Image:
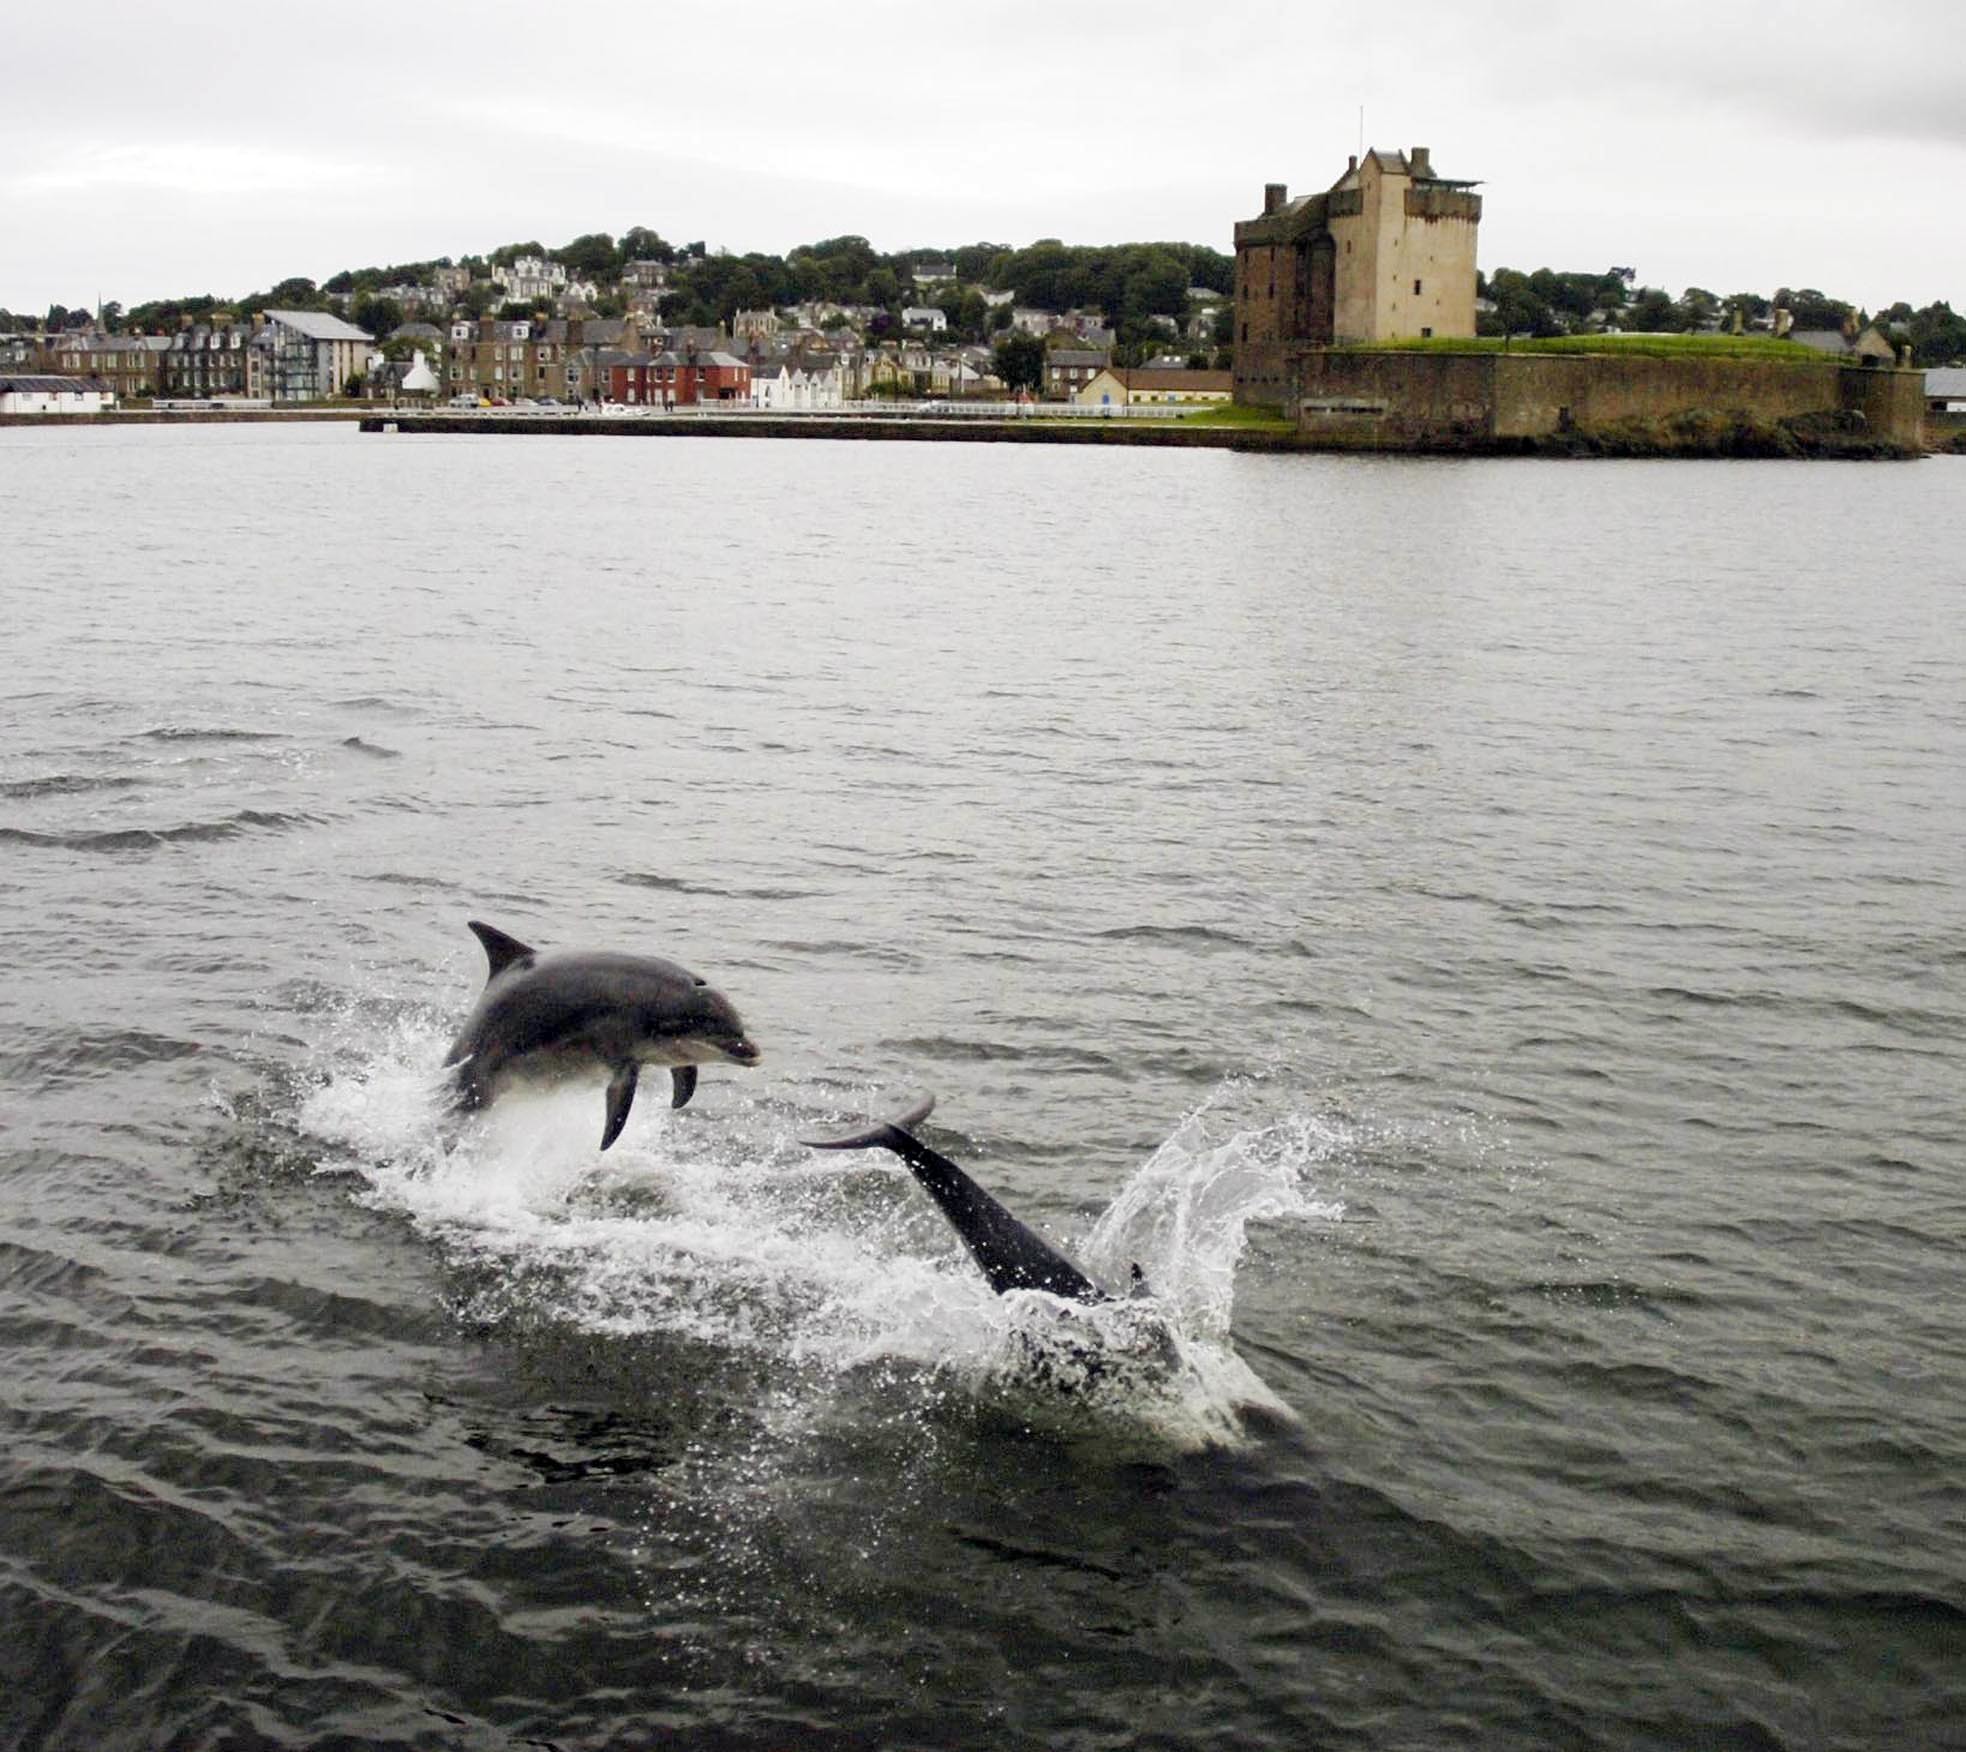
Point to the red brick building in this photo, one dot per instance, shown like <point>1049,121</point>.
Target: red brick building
<point>676,380</point>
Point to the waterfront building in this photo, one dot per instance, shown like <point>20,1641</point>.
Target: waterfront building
<point>125,365</point>
<point>36,394</point>
<point>675,380</point>
<point>1387,252</point>
<point>203,361</point>
<point>1067,370</point>
<point>309,355</point>
<point>799,384</point>
<point>1151,386</point>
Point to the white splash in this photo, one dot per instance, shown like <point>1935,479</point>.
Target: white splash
<point>715,1226</point>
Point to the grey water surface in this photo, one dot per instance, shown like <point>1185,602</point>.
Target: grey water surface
<point>1489,938</point>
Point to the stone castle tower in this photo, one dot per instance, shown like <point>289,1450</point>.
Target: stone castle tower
<point>1386,252</point>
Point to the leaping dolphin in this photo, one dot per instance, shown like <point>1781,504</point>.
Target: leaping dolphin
<point>558,1016</point>
<point>1012,1256</point>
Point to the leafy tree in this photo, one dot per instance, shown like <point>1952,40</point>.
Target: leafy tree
<point>508,253</point>
<point>1753,307</point>
<point>973,261</point>
<point>1651,312</point>
<point>515,310</point>
<point>1019,360</point>
<point>592,257</point>
<point>1812,310</point>
<point>164,314</point>
<point>1930,333</point>
<point>967,313</point>
<point>1154,284</point>
<point>1519,310</point>
<point>378,315</point>
<point>640,244</point>
<point>1697,310</point>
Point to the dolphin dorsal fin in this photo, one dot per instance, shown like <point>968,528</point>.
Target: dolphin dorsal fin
<point>500,950</point>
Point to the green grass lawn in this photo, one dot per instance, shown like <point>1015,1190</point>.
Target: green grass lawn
<point>1761,348</point>
<point>1251,419</point>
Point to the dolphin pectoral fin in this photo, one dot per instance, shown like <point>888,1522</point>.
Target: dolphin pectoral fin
<point>500,950</point>
<point>621,1097</point>
<point>683,1081</point>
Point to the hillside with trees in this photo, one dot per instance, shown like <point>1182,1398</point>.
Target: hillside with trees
<point>1142,289</point>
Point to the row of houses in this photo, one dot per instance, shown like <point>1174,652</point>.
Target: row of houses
<point>281,356</point>
<point>633,361</point>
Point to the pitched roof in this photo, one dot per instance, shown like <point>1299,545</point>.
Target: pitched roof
<point>318,325</point>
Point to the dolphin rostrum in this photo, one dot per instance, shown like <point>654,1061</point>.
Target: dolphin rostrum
<point>556,1016</point>
<point>1012,1256</point>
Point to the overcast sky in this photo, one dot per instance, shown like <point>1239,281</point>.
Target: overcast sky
<point>146,153</point>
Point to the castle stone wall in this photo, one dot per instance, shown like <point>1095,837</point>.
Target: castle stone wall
<point>1439,400</point>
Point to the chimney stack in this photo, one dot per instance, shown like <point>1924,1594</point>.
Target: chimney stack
<point>1274,196</point>
<point>1420,162</point>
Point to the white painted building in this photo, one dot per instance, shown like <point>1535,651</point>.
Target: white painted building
<point>531,279</point>
<point>53,395</point>
<point>926,317</point>
<point>808,388</point>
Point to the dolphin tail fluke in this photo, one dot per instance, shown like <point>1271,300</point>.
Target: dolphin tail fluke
<point>874,1137</point>
<point>682,1080</point>
<point>621,1097</point>
<point>1010,1255</point>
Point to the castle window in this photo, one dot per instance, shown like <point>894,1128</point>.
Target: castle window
<point>1416,288</point>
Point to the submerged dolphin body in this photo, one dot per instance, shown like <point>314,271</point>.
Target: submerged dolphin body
<point>551,1017</point>
<point>1011,1256</point>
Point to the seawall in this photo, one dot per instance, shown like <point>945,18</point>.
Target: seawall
<point>1605,404</point>
<point>859,427</point>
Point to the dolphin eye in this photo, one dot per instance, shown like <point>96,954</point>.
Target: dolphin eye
<point>701,983</point>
